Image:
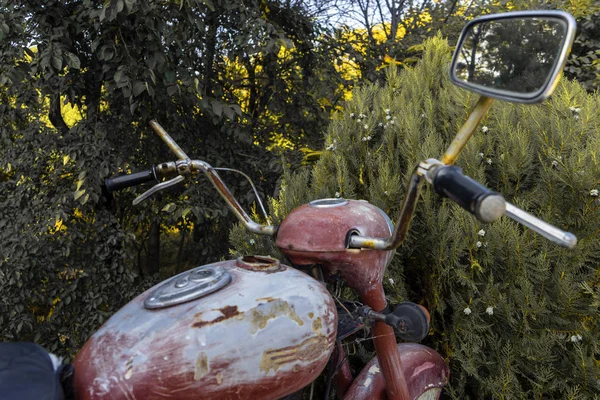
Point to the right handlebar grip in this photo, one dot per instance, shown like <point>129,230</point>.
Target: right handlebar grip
<point>125,181</point>
<point>480,201</point>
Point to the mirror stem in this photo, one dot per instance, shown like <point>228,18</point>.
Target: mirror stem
<point>466,131</point>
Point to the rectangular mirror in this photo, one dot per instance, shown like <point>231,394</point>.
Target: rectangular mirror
<point>516,56</point>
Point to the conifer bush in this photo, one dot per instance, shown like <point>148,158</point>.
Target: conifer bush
<point>514,315</point>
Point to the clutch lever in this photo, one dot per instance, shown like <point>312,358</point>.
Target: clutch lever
<point>157,188</point>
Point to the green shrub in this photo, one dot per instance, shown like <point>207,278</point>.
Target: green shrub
<point>514,315</point>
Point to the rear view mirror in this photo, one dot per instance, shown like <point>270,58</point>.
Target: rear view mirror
<point>515,56</point>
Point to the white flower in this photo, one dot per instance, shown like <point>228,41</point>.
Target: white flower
<point>387,110</point>
<point>481,155</point>
<point>391,281</point>
<point>467,311</point>
<point>554,163</point>
<point>386,193</point>
<point>366,126</point>
<point>364,139</point>
<point>576,110</point>
<point>337,194</point>
<point>490,310</point>
<point>559,158</point>
<point>594,192</point>
<point>576,338</point>
<point>392,122</point>
<point>351,115</point>
<point>388,117</point>
<point>484,129</point>
<point>481,233</point>
<point>252,242</point>
<point>576,117</point>
<point>489,161</point>
<point>478,244</point>
<point>369,138</point>
<point>380,124</point>
<point>331,147</point>
<point>362,116</point>
<point>422,115</point>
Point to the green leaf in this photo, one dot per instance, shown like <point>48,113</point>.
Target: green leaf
<point>171,90</point>
<point>118,75</point>
<point>78,194</point>
<point>73,61</point>
<point>84,199</point>
<point>217,108</point>
<point>169,208</point>
<point>82,175</point>
<point>138,88</point>
<point>129,5</point>
<point>170,76</point>
<point>209,5</point>
<point>57,62</point>
<point>229,112</point>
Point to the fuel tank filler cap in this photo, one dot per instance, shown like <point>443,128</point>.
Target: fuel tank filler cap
<point>328,203</point>
<point>187,286</point>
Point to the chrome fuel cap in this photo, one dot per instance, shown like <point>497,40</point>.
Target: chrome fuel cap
<point>187,286</point>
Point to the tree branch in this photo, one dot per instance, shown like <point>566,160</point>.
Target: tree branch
<point>55,116</point>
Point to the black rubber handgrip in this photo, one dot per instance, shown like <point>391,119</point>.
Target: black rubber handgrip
<point>125,181</point>
<point>484,203</point>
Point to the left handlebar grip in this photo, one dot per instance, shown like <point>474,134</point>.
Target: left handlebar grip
<point>125,181</point>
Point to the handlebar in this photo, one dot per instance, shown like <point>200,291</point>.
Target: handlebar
<point>485,204</point>
<point>129,180</point>
<point>184,168</point>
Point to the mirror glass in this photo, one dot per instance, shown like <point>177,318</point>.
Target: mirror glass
<point>511,54</point>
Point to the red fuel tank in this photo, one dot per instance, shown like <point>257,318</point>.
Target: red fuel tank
<point>242,329</point>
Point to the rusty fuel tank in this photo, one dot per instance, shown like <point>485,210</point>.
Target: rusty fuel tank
<point>266,332</point>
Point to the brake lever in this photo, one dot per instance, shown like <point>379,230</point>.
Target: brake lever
<point>157,188</point>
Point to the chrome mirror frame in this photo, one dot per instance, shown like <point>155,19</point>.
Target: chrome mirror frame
<point>548,87</point>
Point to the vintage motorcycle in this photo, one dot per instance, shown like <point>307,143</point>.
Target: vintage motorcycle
<point>253,328</point>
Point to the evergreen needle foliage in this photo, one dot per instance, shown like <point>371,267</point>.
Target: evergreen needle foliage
<point>513,314</point>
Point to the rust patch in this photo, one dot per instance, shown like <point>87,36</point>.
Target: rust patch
<point>201,366</point>
<point>317,325</point>
<point>259,263</point>
<point>261,314</point>
<point>267,299</point>
<point>309,350</point>
<point>311,315</point>
<point>228,312</point>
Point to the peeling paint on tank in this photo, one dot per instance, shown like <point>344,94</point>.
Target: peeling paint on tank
<point>317,325</point>
<point>202,367</point>
<point>226,313</point>
<point>374,369</point>
<point>129,367</point>
<point>261,314</point>
<point>309,350</point>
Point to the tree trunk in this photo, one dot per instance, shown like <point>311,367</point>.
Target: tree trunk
<point>153,259</point>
